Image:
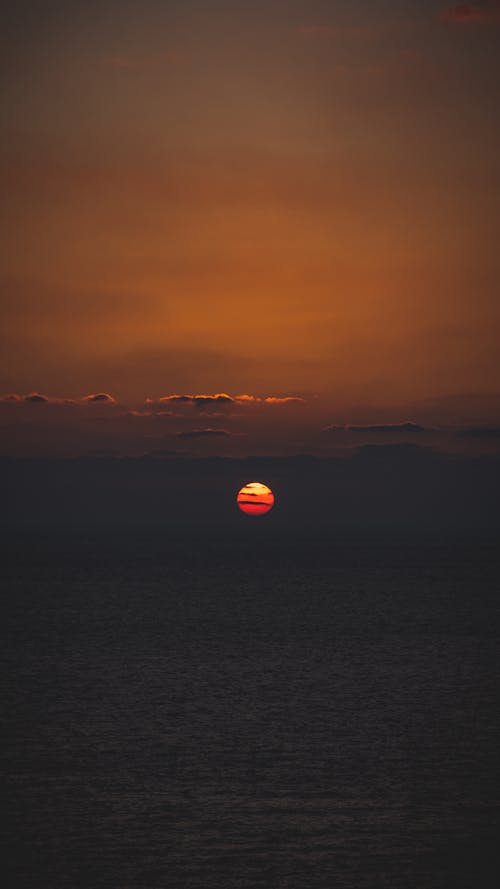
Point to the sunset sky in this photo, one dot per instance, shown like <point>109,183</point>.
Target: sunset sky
<point>278,200</point>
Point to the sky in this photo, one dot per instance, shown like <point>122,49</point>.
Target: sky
<point>295,202</point>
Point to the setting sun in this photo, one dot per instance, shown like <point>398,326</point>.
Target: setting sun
<point>255,498</point>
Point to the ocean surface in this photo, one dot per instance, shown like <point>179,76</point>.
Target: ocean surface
<point>250,713</point>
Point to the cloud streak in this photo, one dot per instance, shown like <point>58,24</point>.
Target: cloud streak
<point>218,400</point>
<point>35,398</point>
<point>11,398</point>
<point>38,398</point>
<point>222,399</point>
<point>205,433</point>
<point>99,398</point>
<point>288,399</point>
<point>379,428</point>
<point>197,400</point>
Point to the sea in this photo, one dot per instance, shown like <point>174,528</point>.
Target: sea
<point>249,712</point>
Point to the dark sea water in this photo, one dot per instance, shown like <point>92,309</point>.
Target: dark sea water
<point>253,714</point>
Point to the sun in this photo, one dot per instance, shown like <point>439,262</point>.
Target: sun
<point>255,498</point>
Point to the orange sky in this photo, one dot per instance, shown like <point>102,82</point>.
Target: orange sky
<point>272,198</point>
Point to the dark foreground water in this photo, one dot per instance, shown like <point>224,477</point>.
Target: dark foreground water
<point>250,715</point>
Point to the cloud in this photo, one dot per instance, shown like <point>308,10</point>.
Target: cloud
<point>98,398</point>
<point>485,13</point>
<point>152,407</point>
<point>490,432</point>
<point>383,428</point>
<point>205,433</point>
<point>198,400</point>
<point>205,400</point>
<point>288,399</point>
<point>221,399</point>
<point>36,398</point>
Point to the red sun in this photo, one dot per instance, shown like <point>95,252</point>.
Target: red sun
<point>255,498</point>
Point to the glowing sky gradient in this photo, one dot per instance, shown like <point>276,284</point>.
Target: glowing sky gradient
<point>286,199</point>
